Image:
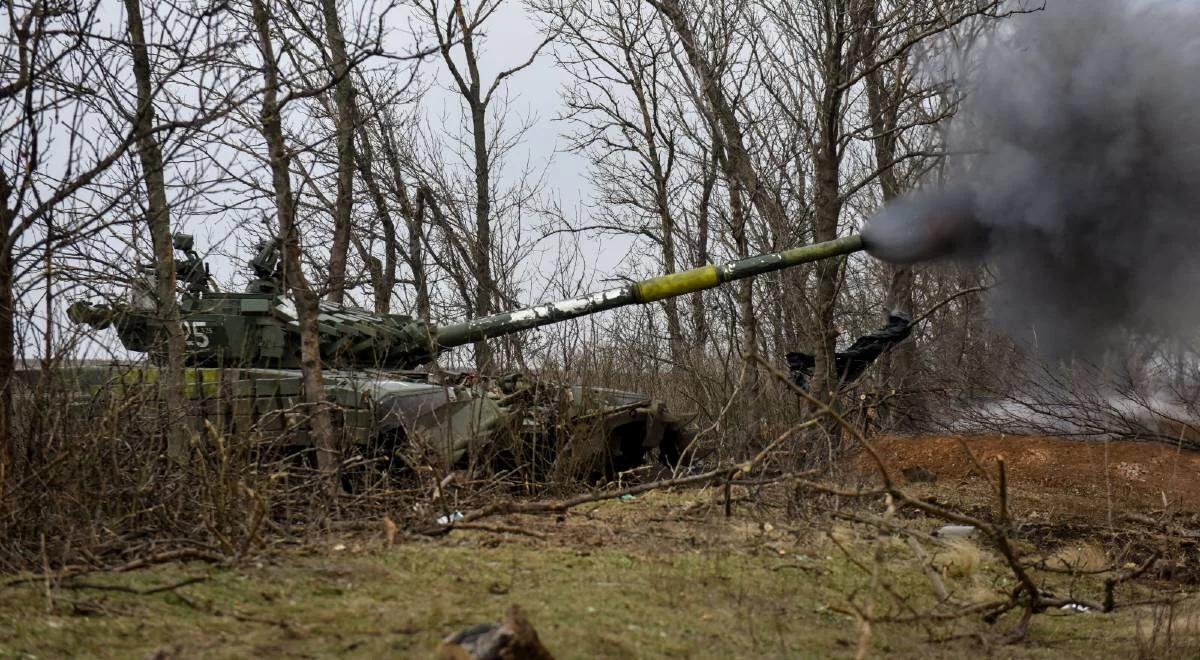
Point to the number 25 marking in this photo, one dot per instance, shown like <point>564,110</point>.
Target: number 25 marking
<point>194,334</point>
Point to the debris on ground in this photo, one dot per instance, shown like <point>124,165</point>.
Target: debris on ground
<point>512,639</point>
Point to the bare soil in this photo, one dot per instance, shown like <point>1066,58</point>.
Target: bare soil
<point>1051,476</point>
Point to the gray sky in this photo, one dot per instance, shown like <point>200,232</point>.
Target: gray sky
<point>534,94</point>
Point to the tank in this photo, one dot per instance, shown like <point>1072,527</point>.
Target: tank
<point>391,401</point>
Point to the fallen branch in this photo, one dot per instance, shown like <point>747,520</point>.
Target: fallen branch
<point>233,614</point>
<point>935,578</point>
<point>729,472</point>
<point>132,590</point>
<point>1110,585</point>
<point>1027,593</point>
<point>500,529</point>
<point>184,554</point>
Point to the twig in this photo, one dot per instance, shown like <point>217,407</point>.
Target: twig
<point>244,618</point>
<point>728,498</point>
<point>499,529</point>
<point>1003,495</point>
<point>1110,584</point>
<point>958,613</point>
<point>1019,631</point>
<point>132,590</point>
<point>559,506</point>
<point>693,446</point>
<point>864,625</point>
<point>935,579</point>
<point>929,312</point>
<point>888,526</point>
<point>184,554</point>
<point>978,465</point>
<point>876,581</point>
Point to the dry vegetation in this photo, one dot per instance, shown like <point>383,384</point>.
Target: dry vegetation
<point>125,554</point>
<point>664,575</point>
<point>800,526</point>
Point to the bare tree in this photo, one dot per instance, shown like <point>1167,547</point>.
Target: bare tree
<point>60,135</point>
<point>619,58</point>
<point>383,272</point>
<point>457,30</point>
<point>307,302</point>
<point>159,220</point>
<point>390,193</point>
<point>343,99</point>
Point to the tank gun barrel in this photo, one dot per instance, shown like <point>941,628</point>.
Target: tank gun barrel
<point>640,293</point>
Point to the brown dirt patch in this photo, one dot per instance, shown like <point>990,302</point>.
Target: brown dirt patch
<point>1049,476</point>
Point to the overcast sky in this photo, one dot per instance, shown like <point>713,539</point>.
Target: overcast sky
<point>511,35</point>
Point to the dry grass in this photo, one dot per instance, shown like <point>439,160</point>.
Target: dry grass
<point>1079,557</point>
<point>1170,630</point>
<point>958,559</point>
<point>665,575</point>
<point>658,565</point>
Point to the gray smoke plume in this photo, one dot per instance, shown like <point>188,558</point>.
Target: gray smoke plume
<point>1085,193</point>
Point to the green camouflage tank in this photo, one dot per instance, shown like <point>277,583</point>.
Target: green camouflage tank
<point>243,378</point>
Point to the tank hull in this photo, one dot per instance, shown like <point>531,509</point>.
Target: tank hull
<point>454,420</point>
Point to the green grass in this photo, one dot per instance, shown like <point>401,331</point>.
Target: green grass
<point>643,602</point>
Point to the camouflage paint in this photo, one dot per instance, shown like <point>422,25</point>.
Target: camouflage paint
<point>646,291</point>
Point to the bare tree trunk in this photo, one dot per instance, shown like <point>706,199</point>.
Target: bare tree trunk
<point>703,216</point>
<point>740,162</point>
<point>885,94</point>
<point>844,25</point>
<point>736,162</point>
<point>884,97</point>
<point>343,99</point>
<point>667,220</point>
<point>7,348</point>
<point>827,209</point>
<point>414,217</point>
<point>159,220</point>
<point>482,246</point>
<point>456,30</point>
<point>661,203</point>
<point>384,282</point>
<point>900,359</point>
<point>416,251</point>
<point>745,295</point>
<point>306,299</point>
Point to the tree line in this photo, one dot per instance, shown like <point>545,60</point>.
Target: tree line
<point>711,131</point>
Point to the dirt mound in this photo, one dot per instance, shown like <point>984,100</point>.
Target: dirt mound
<point>1051,475</point>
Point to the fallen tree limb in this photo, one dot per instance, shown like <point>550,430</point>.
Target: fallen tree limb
<point>183,554</point>
<point>1027,594</point>
<point>726,473</point>
<point>500,529</point>
<point>132,590</point>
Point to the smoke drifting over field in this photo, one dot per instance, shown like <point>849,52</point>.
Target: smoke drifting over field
<point>1085,193</point>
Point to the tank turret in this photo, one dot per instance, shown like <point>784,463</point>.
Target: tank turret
<point>259,327</point>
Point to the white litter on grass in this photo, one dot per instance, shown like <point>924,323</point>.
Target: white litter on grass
<point>956,532</point>
<point>454,517</point>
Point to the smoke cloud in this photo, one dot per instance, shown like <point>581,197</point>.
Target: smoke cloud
<point>1083,192</point>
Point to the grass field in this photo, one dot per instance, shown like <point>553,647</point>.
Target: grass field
<point>666,575</point>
